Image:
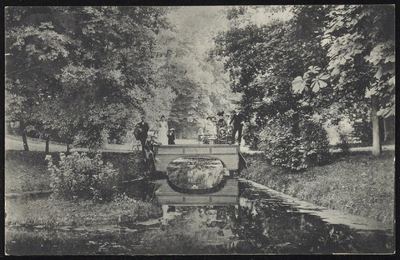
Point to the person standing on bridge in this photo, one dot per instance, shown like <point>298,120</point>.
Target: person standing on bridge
<point>221,121</point>
<point>238,121</point>
<point>171,136</point>
<point>163,131</point>
<point>141,130</point>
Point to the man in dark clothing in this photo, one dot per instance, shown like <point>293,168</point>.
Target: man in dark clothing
<point>142,129</point>
<point>237,120</point>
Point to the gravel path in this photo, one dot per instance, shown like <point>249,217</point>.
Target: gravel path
<point>36,144</point>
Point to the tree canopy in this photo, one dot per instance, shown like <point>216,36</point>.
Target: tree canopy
<point>303,66</point>
<point>85,74</point>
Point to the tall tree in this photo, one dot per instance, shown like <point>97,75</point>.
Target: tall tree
<point>36,51</point>
<point>360,42</point>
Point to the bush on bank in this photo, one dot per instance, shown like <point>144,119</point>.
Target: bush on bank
<point>26,171</point>
<point>78,176</point>
<point>291,148</point>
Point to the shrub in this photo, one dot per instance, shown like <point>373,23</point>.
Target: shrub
<point>295,149</point>
<point>344,145</point>
<point>93,141</point>
<point>281,147</point>
<point>363,130</point>
<point>251,137</point>
<point>78,176</point>
<point>314,142</point>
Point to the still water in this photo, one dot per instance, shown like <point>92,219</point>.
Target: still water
<point>266,223</point>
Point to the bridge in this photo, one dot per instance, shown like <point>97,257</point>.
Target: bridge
<point>228,154</point>
<point>230,157</point>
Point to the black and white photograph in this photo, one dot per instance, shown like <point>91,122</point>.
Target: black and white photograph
<point>199,130</point>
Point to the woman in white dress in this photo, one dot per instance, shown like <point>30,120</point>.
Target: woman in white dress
<point>163,131</point>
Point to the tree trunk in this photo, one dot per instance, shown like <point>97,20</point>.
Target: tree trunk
<point>47,145</point>
<point>9,129</point>
<point>376,142</point>
<point>24,139</point>
<point>385,130</point>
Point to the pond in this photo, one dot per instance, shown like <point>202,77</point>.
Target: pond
<point>265,224</point>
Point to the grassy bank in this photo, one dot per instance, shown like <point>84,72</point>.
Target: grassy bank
<point>27,171</point>
<point>52,213</point>
<point>358,184</point>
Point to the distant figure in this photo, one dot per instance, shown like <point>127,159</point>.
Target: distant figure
<point>163,131</point>
<point>171,136</point>
<point>221,128</point>
<point>237,120</point>
<point>200,134</point>
<point>210,127</point>
<point>221,121</point>
<point>214,121</point>
<point>140,132</point>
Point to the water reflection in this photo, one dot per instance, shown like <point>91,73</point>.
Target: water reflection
<point>270,226</point>
<point>264,225</point>
<point>196,173</point>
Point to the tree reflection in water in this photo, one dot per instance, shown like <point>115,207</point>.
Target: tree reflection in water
<point>264,225</point>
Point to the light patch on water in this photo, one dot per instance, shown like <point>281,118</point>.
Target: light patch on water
<point>148,222</point>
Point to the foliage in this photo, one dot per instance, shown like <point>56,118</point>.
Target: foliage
<point>129,165</point>
<point>295,150</point>
<point>344,144</point>
<point>359,40</point>
<point>361,55</point>
<point>281,147</point>
<point>363,131</point>
<point>79,70</point>
<point>345,54</point>
<point>314,142</point>
<point>143,211</point>
<point>78,176</point>
<point>198,84</point>
<point>261,65</point>
<point>27,171</point>
<point>76,72</point>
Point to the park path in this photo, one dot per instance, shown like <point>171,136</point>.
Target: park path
<point>35,144</point>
